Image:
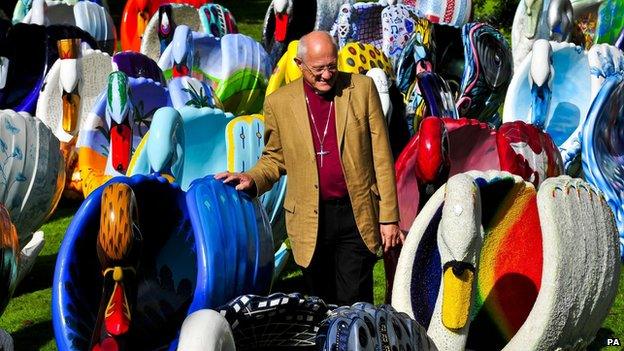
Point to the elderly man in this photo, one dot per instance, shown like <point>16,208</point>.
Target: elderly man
<point>327,132</point>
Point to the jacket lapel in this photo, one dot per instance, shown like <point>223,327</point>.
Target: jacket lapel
<point>300,113</point>
<point>343,94</point>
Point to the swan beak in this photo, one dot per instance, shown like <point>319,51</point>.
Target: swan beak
<point>71,106</point>
<point>121,145</point>
<point>142,20</point>
<point>457,294</point>
<point>69,51</point>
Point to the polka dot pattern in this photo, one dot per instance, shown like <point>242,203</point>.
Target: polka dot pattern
<point>360,58</point>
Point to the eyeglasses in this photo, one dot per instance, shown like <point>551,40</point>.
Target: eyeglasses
<point>318,71</point>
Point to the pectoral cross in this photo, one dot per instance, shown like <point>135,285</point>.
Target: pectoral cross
<point>322,153</point>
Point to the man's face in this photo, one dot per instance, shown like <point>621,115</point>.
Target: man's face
<point>319,67</point>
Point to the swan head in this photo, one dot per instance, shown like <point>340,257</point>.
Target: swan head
<point>166,25</point>
<point>283,10</point>
<point>118,248</point>
<point>460,238</point>
<point>182,51</point>
<point>119,116</point>
<point>164,145</point>
<point>541,74</point>
<point>143,17</point>
<point>432,158</point>
<point>69,52</point>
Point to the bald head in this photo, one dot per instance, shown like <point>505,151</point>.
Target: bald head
<point>317,57</point>
<point>315,43</point>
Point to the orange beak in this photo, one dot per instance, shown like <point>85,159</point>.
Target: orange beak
<point>142,20</point>
<point>71,106</point>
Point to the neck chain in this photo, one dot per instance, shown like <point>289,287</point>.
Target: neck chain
<point>322,152</point>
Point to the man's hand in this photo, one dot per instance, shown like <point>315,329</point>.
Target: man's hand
<point>242,181</point>
<point>391,235</point>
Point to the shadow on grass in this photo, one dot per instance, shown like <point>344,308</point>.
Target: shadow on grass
<point>290,280</point>
<point>600,341</point>
<point>65,208</point>
<point>33,337</point>
<point>39,278</point>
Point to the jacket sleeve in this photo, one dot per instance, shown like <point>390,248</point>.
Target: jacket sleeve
<point>270,166</point>
<point>382,159</point>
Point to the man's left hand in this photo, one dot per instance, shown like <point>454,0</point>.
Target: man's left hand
<point>391,235</point>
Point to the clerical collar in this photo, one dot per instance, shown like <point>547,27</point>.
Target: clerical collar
<point>328,96</point>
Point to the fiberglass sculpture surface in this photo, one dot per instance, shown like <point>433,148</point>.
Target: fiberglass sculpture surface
<point>136,16</point>
<point>602,153</point>
<point>72,88</point>
<point>478,275</point>
<point>236,65</point>
<point>86,15</point>
<point>31,179</point>
<point>212,19</point>
<point>554,89</point>
<point>444,147</point>
<point>288,20</point>
<point>475,78</point>
<point>27,53</point>
<point>184,251</point>
<point>115,126</point>
<point>193,142</point>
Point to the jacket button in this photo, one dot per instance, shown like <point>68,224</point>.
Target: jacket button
<point>315,212</point>
<point>315,186</point>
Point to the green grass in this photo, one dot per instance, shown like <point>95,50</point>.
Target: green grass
<point>28,315</point>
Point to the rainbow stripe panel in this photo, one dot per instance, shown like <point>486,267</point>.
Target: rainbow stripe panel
<point>510,266</point>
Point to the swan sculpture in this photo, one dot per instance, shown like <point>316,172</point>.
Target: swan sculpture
<point>29,52</point>
<point>520,269</point>
<point>136,16</point>
<point>187,144</point>
<point>602,149</point>
<point>236,65</point>
<point>554,89</point>
<point>115,126</point>
<point>86,15</point>
<point>200,249</point>
<point>288,20</point>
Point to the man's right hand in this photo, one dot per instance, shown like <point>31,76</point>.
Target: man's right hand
<point>242,181</point>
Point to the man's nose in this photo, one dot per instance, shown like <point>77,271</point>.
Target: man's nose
<point>327,74</point>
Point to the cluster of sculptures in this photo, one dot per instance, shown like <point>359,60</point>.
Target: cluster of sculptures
<point>507,247</point>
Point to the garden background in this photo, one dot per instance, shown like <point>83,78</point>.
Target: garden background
<point>28,315</point>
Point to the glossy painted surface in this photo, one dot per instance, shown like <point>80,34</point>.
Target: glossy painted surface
<point>237,66</point>
<point>31,50</point>
<point>288,20</point>
<point>94,142</point>
<point>182,267</point>
<point>31,171</point>
<point>275,320</point>
<point>137,14</point>
<point>575,77</point>
<point>603,153</point>
<point>488,71</point>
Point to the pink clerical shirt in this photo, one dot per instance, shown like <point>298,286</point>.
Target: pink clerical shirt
<point>332,183</point>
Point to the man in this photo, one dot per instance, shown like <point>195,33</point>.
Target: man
<point>327,132</point>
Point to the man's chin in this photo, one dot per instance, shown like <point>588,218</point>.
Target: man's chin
<point>323,88</point>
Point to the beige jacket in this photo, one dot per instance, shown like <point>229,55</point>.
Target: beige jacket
<point>364,153</point>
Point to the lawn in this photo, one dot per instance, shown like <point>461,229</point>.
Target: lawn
<point>28,315</point>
